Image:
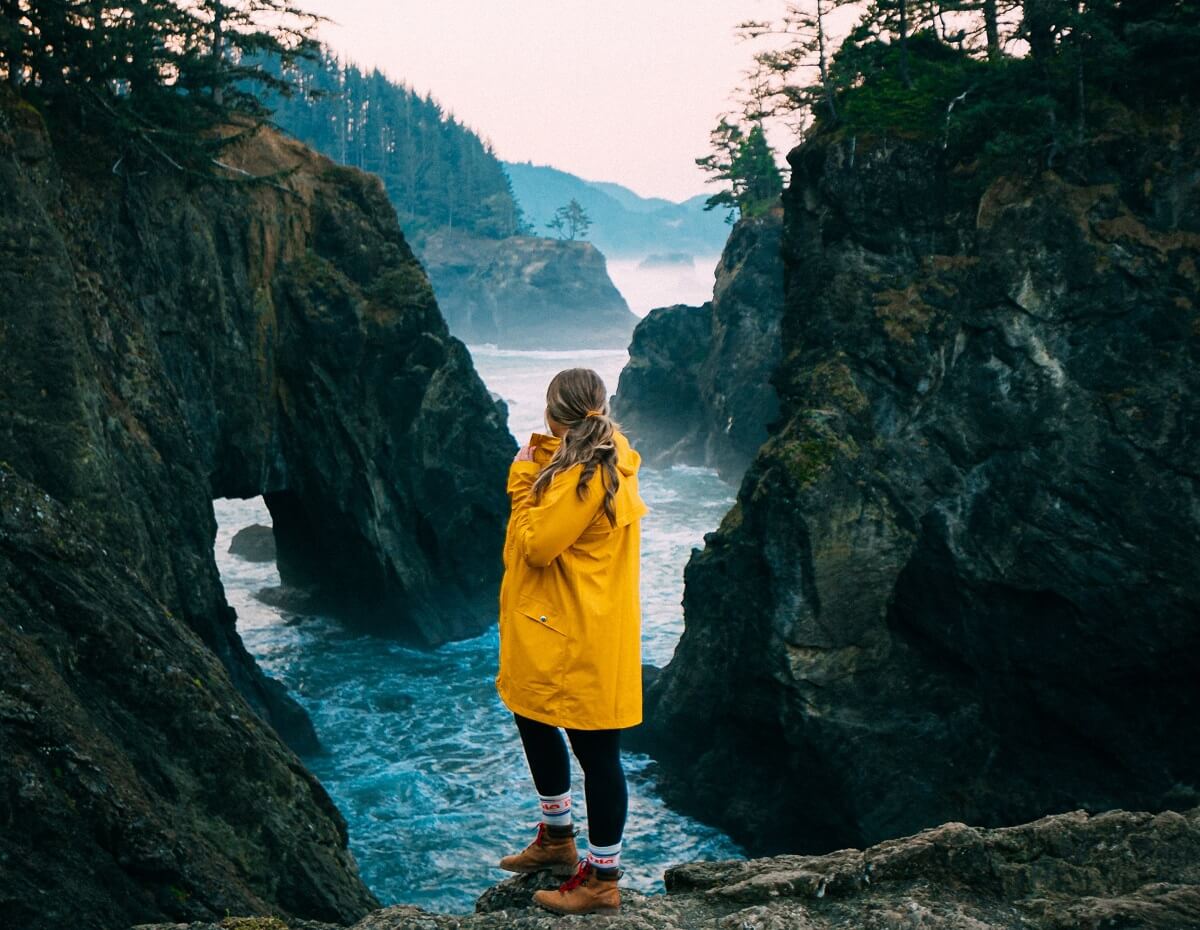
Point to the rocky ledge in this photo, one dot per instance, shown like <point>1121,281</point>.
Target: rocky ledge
<point>1066,872</point>
<point>526,292</point>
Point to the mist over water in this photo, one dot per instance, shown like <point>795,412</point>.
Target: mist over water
<point>421,757</point>
<point>647,288</point>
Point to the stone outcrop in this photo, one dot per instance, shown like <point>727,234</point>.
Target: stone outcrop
<point>696,389</point>
<point>1066,872</point>
<point>526,292</point>
<point>960,578</point>
<point>254,543</point>
<point>165,340</point>
<point>657,402</point>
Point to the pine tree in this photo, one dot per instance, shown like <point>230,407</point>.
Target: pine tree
<point>1012,79</point>
<point>155,74</point>
<point>754,165</point>
<point>570,221</point>
<point>805,26</point>
<point>438,173</point>
<point>742,158</point>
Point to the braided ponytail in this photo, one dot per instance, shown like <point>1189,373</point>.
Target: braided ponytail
<point>578,399</point>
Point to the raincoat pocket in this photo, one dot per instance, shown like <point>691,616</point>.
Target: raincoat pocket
<point>540,644</point>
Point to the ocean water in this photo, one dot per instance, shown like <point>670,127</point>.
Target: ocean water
<point>420,755</point>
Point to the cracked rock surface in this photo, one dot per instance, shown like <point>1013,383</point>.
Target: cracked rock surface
<point>1065,872</point>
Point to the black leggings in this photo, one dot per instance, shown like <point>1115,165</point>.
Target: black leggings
<point>599,754</point>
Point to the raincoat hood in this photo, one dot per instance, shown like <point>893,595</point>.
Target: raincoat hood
<point>628,459</point>
<point>629,504</point>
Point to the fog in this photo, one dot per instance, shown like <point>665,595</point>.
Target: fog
<point>647,288</point>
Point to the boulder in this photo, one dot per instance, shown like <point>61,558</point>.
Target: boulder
<point>254,543</point>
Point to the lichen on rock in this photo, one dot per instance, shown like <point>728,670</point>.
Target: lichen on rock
<point>961,584</point>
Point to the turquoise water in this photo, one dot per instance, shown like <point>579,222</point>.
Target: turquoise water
<point>421,757</point>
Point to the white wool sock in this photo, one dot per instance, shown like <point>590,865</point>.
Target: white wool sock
<point>604,857</point>
<point>556,809</point>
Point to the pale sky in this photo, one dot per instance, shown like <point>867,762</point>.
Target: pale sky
<point>611,90</point>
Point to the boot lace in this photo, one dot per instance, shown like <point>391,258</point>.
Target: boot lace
<point>581,875</point>
<point>540,839</point>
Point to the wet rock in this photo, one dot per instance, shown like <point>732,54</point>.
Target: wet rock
<point>696,389</point>
<point>290,598</point>
<point>254,543</point>
<point>959,581</point>
<point>166,340</point>
<point>526,292</point>
<point>247,923</point>
<point>657,401</point>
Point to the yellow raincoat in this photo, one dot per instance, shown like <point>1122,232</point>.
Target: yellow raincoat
<point>570,606</point>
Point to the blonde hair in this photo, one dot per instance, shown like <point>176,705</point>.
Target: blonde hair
<point>578,399</point>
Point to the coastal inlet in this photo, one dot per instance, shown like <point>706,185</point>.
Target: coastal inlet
<point>420,755</point>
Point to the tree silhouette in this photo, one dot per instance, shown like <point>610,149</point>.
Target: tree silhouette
<point>742,158</point>
<point>570,221</point>
<point>1009,80</point>
<point>154,74</point>
<point>439,174</point>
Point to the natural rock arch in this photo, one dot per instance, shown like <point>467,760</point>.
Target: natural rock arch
<point>166,341</point>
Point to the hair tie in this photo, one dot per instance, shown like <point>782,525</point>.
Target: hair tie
<point>594,413</point>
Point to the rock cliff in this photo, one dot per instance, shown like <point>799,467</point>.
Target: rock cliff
<point>696,389</point>
<point>526,292</point>
<point>165,340</point>
<point>959,581</point>
<point>657,401</point>
<point>1068,872</point>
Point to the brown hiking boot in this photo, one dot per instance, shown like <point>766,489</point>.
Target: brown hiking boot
<point>585,892</point>
<point>556,853</point>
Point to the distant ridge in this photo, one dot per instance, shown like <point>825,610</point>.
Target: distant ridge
<point>625,224</point>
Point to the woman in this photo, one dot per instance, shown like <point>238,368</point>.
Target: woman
<point>570,632</point>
